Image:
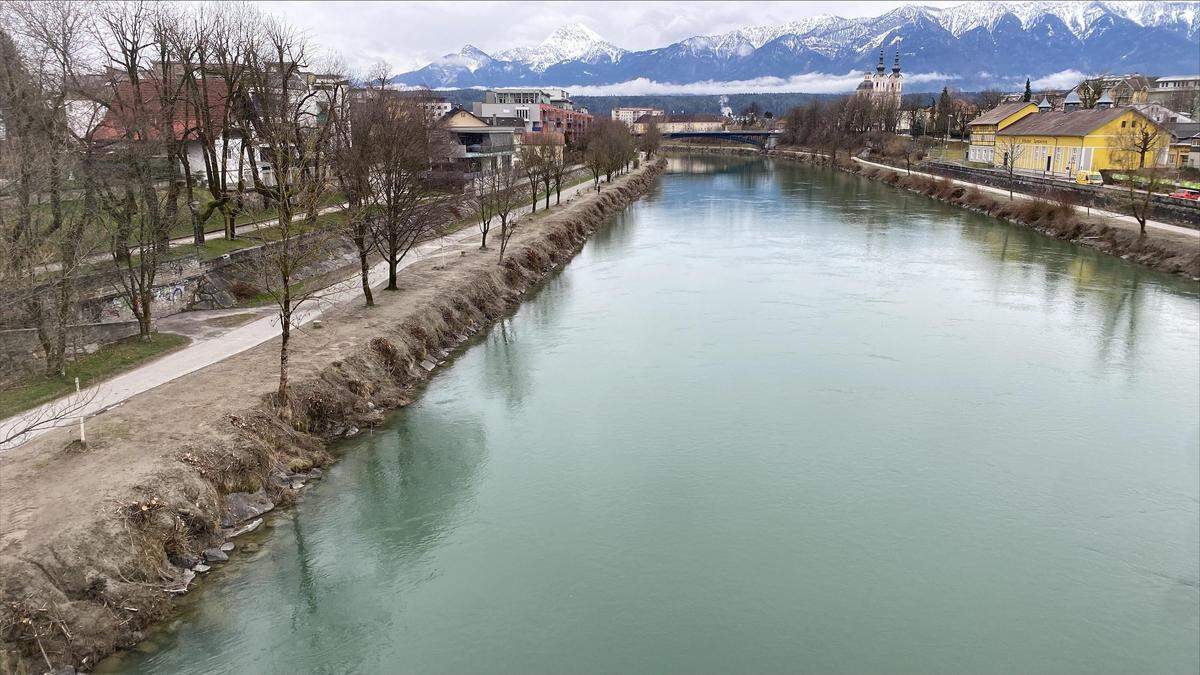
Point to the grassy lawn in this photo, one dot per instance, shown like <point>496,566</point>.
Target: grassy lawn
<point>231,320</point>
<point>213,226</point>
<point>109,360</point>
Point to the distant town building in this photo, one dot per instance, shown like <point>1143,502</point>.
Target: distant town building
<point>1185,137</point>
<point>1061,143</point>
<point>681,122</point>
<point>1180,93</point>
<point>882,87</point>
<point>1161,113</point>
<point>630,115</point>
<point>478,147</point>
<point>1126,89</point>
<point>540,109</point>
<point>983,129</point>
<point>434,106</point>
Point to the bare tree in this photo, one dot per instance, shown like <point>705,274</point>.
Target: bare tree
<point>406,206</point>
<point>355,132</point>
<point>651,140</point>
<point>1135,149</point>
<point>483,192</point>
<point>1091,89</point>
<point>1010,152</point>
<point>213,47</point>
<point>990,98</point>
<point>506,196</point>
<point>142,95</point>
<point>560,163</point>
<point>543,153</point>
<point>914,150</point>
<point>46,235</point>
<point>59,413</point>
<point>291,119</point>
<point>532,164</point>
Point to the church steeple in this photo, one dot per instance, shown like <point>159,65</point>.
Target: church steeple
<point>896,64</point>
<point>879,67</point>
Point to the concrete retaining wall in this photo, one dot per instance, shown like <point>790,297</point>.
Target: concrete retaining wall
<point>21,353</point>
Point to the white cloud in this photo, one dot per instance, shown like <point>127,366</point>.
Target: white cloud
<point>1063,79</point>
<point>805,83</point>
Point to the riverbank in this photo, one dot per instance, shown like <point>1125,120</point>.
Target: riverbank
<point>1163,251</point>
<point>94,543</point>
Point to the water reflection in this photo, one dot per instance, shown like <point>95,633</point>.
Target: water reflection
<point>768,396</point>
<point>507,368</point>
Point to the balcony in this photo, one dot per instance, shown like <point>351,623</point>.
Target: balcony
<point>488,149</point>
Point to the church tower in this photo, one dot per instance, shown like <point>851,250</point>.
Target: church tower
<point>896,80</point>
<point>881,87</point>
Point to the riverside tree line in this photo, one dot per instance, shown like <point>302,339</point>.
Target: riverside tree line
<point>126,126</point>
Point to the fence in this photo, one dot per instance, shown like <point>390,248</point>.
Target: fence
<point>1165,208</point>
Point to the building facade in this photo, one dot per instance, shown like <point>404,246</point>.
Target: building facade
<point>477,147</point>
<point>880,87</point>
<point>680,123</point>
<point>630,115</point>
<point>983,129</point>
<point>540,109</point>
<point>1061,143</point>
<point>1180,93</point>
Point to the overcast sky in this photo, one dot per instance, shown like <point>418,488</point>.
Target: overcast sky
<point>407,35</point>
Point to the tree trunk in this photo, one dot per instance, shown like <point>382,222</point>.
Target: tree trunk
<point>285,404</point>
<point>365,269</point>
<point>143,316</point>
<point>392,262</point>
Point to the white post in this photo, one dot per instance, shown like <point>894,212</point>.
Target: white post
<point>82,433</point>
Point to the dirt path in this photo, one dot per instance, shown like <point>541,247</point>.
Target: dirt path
<point>213,346</point>
<point>90,577</point>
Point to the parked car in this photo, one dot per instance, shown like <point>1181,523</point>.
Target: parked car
<point>1089,178</point>
<point>1182,193</point>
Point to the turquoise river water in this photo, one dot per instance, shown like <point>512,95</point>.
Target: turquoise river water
<point>772,418</point>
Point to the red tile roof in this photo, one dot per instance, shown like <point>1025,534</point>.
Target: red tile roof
<point>150,116</point>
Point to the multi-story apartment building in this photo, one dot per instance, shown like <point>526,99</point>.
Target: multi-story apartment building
<point>680,123</point>
<point>630,115</point>
<point>540,109</point>
<point>1180,93</point>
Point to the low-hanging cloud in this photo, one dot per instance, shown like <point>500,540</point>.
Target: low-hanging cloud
<point>805,83</point>
<point>1063,79</point>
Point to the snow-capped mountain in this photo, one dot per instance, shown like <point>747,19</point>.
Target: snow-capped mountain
<point>573,42</point>
<point>973,45</point>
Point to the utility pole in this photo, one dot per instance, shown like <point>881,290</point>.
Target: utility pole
<point>82,433</point>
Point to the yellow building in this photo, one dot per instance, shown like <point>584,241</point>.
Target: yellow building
<point>984,128</point>
<point>1062,143</point>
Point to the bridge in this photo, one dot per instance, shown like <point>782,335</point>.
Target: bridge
<point>756,137</point>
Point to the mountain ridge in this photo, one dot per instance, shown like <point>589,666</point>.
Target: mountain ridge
<point>975,44</point>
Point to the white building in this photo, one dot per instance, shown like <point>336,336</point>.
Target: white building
<point>628,116</point>
<point>883,87</point>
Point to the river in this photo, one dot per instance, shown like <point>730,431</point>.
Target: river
<point>772,418</point>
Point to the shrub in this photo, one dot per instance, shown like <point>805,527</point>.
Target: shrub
<point>244,291</point>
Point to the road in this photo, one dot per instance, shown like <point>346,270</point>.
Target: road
<point>1120,217</point>
<point>215,346</point>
